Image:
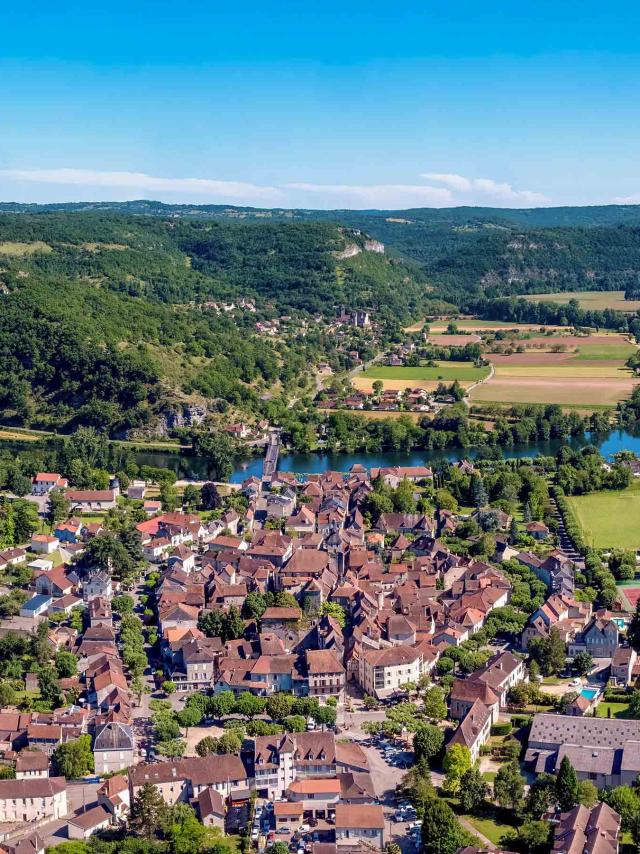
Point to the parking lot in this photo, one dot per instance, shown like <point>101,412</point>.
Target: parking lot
<point>264,833</point>
<point>388,763</point>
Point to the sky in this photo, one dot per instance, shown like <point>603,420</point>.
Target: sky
<point>321,104</point>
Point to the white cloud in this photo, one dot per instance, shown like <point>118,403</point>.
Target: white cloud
<point>105,185</point>
<point>627,200</point>
<point>140,181</point>
<point>378,195</point>
<point>485,187</point>
<point>456,182</point>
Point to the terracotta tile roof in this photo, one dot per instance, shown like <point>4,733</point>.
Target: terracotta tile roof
<point>362,816</point>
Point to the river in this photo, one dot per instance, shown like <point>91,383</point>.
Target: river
<point>197,468</point>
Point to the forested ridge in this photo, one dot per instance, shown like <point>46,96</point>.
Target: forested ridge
<point>107,313</point>
<point>106,318</point>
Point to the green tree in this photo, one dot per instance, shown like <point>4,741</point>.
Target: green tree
<point>325,716</point>
<point>191,496</point>
<point>66,664</point>
<point>549,652</point>
<point>434,705</point>
<point>473,790</point>
<point>220,450</point>
<point>147,811</point>
<point>587,793</point>
<point>441,832</point>
<point>541,796</point>
<point>49,688</point>
<point>254,606</point>
<point>222,704</point>
<point>229,742</point>
<point>582,663</point>
<point>625,801</point>
<point>211,623</point>
<point>278,706</point>
<point>567,791</point>
<point>417,786</point>
<point>333,609</point>
<point>74,758</point>
<point>279,848</point>
<point>172,748</point>
<point>508,786</point>
<point>207,745</point>
<point>122,604</point>
<point>169,687</point>
<point>189,716</point>
<point>403,500</point>
<point>532,837</point>
<point>284,599</point>
<point>249,705</point>
<point>633,632</point>
<point>427,742</point>
<point>59,507</point>
<point>232,625</point>
<point>457,761</point>
<point>7,695</point>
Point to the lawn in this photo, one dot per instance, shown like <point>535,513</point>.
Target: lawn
<point>445,371</point>
<point>612,710</point>
<point>490,827</point>
<point>595,300</point>
<point>609,518</point>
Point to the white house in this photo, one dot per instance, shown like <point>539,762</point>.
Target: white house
<point>44,482</point>
<point>33,799</point>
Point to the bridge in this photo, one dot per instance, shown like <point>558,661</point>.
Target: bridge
<point>270,465</point>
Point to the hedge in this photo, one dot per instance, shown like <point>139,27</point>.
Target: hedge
<point>501,729</point>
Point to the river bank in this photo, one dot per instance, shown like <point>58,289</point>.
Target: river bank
<point>189,466</point>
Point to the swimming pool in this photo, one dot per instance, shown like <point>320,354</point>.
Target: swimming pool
<point>590,693</point>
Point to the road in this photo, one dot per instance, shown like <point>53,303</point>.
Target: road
<point>492,371</point>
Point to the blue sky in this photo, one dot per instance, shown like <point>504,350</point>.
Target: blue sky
<point>321,104</point>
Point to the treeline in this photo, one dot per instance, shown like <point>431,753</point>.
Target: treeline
<point>553,313</point>
<point>350,432</point>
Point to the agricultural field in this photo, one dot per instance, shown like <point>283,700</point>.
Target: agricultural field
<point>443,371</point>
<point>565,391</point>
<point>453,340</point>
<point>596,300</point>
<point>609,518</point>
<point>474,324</point>
<point>399,378</point>
<point>590,371</point>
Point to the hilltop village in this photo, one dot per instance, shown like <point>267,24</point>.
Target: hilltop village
<point>337,662</point>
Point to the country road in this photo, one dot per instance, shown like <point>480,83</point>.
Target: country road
<point>492,371</point>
